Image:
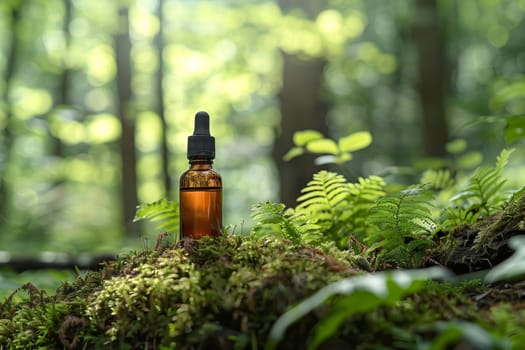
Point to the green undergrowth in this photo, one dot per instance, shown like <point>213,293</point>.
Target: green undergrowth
<point>442,316</point>
<point>341,270</point>
<point>484,243</point>
<point>228,292</point>
<point>201,294</point>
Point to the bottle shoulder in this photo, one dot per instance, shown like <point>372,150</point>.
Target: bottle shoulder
<point>201,172</point>
<point>200,178</point>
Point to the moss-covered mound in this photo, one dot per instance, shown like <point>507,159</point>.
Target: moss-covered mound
<point>226,293</point>
<point>483,244</point>
<point>208,294</point>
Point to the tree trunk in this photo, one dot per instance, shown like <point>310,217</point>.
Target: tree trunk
<point>431,89</point>
<point>7,136</point>
<point>62,97</point>
<point>127,140</point>
<point>166,178</point>
<point>301,108</point>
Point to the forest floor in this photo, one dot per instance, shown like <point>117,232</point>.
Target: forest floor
<point>228,293</point>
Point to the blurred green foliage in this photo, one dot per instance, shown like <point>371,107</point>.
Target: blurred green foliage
<point>350,296</point>
<point>46,280</point>
<point>332,152</point>
<point>230,65</point>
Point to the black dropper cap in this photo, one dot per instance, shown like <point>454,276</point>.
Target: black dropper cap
<point>201,143</point>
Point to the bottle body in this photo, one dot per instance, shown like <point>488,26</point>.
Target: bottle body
<point>200,200</point>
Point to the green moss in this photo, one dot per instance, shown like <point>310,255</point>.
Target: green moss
<point>226,293</point>
<point>483,244</point>
<point>211,292</point>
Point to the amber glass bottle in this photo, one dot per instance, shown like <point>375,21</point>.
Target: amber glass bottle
<point>200,197</point>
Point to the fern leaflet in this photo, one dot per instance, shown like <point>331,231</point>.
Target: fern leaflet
<point>437,179</point>
<point>323,201</point>
<point>457,216</point>
<point>275,219</point>
<point>338,207</point>
<point>165,211</point>
<point>402,223</point>
<point>363,195</point>
<point>323,195</point>
<point>482,192</point>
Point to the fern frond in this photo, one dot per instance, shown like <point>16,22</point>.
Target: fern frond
<point>308,232</point>
<point>163,210</point>
<point>503,158</point>
<point>367,189</point>
<point>437,179</point>
<point>275,219</point>
<point>323,193</point>
<point>406,212</point>
<point>407,255</point>
<point>268,212</point>
<point>517,194</point>
<point>399,218</point>
<point>457,216</point>
<point>323,200</point>
<point>363,195</point>
<point>339,208</point>
<point>483,188</point>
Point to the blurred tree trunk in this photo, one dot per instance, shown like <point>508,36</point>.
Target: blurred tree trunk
<point>62,97</point>
<point>7,136</point>
<point>430,48</point>
<point>159,40</point>
<point>127,140</point>
<point>301,108</point>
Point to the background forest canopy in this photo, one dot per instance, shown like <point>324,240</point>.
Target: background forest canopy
<point>98,98</point>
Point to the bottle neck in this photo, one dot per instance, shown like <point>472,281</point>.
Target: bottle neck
<point>201,163</point>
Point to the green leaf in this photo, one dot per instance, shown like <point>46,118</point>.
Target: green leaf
<point>355,141</point>
<point>403,214</point>
<point>274,219</point>
<point>470,334</point>
<point>482,192</point>
<point>514,125</point>
<point>470,160</point>
<point>301,138</point>
<point>514,129</point>
<point>503,157</point>
<point>165,211</point>
<point>361,293</point>
<point>514,267</point>
<point>326,146</point>
<point>293,152</point>
<point>339,312</point>
<point>456,146</point>
<point>343,157</point>
<point>437,179</point>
